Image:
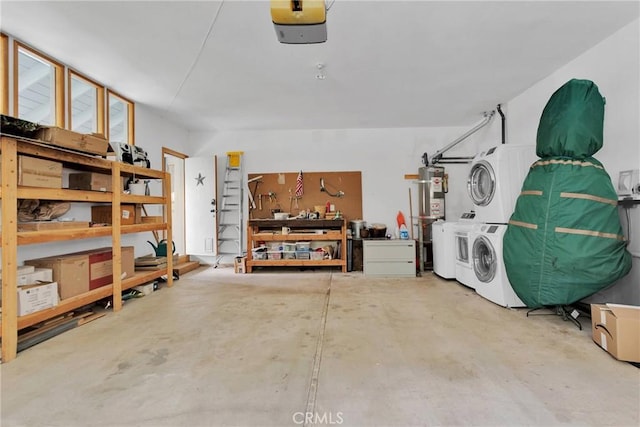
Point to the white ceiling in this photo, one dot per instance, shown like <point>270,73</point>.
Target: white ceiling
<point>212,65</point>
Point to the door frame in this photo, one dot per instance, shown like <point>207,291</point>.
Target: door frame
<point>179,155</point>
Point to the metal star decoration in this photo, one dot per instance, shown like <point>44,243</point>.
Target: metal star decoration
<point>200,178</point>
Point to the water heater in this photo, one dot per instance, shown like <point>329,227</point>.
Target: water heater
<point>431,189</point>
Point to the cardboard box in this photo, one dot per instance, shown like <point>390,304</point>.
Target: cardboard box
<point>240,265</point>
<point>37,297</point>
<point>38,275</point>
<point>131,214</point>
<point>100,268</point>
<point>91,181</point>
<point>128,262</point>
<point>80,272</point>
<point>71,272</point>
<point>32,275</point>
<point>34,172</point>
<point>92,144</point>
<point>616,328</point>
<point>24,269</point>
<point>153,219</point>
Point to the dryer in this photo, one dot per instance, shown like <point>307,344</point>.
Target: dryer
<point>462,244</point>
<point>488,265</point>
<point>495,180</point>
<point>444,249</point>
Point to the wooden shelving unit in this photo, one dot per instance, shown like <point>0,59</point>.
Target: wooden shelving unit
<point>269,230</point>
<point>11,239</point>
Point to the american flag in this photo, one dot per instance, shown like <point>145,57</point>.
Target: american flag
<point>299,187</point>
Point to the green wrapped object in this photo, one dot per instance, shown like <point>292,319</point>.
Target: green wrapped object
<point>564,241</point>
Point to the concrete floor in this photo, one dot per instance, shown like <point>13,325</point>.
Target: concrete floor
<point>263,349</point>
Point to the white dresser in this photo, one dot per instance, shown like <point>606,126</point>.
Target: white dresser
<point>389,258</point>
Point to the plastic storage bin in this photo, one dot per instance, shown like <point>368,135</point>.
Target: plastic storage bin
<point>303,246</point>
<point>303,255</point>
<point>259,255</point>
<point>274,255</point>
<point>276,246</point>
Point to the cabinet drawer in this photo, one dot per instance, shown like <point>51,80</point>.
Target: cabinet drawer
<point>390,268</point>
<point>386,250</point>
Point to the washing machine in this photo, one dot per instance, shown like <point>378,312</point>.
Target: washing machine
<point>462,246</point>
<point>488,265</point>
<point>444,249</point>
<point>495,180</point>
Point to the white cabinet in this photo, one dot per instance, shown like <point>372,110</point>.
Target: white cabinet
<point>389,258</point>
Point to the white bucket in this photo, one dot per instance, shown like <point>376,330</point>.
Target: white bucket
<point>137,189</point>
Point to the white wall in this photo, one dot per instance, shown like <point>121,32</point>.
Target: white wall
<point>383,156</point>
<point>614,65</point>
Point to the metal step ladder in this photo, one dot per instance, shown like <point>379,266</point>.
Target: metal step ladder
<point>230,217</point>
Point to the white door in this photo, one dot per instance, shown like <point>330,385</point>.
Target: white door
<point>200,206</point>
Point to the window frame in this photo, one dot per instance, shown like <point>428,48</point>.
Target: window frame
<point>59,94</point>
<point>100,101</point>
<point>4,74</point>
<point>130,116</point>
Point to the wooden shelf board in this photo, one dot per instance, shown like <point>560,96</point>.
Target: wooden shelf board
<point>140,172</point>
<point>298,223</point>
<point>136,228</point>
<point>142,277</point>
<point>147,200</point>
<point>64,194</point>
<point>185,267</point>
<point>297,262</point>
<point>296,237</point>
<point>64,306</point>
<point>32,237</point>
<point>38,149</point>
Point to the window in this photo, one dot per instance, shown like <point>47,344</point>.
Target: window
<point>120,117</point>
<point>4,74</point>
<point>39,85</point>
<point>86,104</point>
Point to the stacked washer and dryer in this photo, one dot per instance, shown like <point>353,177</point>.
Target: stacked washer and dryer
<point>495,181</point>
<point>474,244</point>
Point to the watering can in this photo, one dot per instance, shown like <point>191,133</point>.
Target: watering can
<point>161,249</point>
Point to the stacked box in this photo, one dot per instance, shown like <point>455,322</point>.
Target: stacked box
<point>303,255</point>
<point>130,214</point>
<point>38,297</point>
<point>92,144</point>
<point>93,182</point>
<point>34,172</point>
<point>29,275</point>
<point>240,264</point>
<point>80,272</point>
